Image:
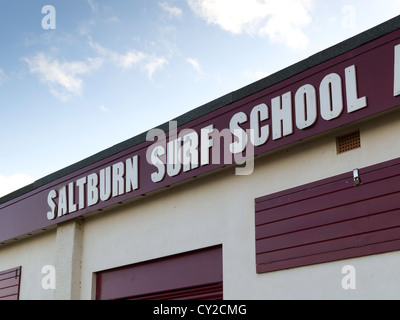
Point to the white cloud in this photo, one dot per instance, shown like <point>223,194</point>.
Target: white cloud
<point>349,17</point>
<point>2,76</point>
<point>149,63</point>
<point>13,183</point>
<point>281,20</point>
<point>86,27</point>
<point>63,78</point>
<point>93,5</point>
<point>195,64</point>
<point>104,109</point>
<point>152,64</point>
<point>256,75</point>
<point>128,60</point>
<point>172,11</point>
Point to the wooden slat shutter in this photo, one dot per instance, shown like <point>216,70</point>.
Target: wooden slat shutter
<point>330,220</point>
<point>209,292</point>
<point>10,284</point>
<point>191,275</point>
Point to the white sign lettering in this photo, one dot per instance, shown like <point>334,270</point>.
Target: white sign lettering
<point>188,150</point>
<point>396,71</point>
<point>94,188</point>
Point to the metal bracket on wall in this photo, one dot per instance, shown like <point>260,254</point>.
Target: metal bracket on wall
<point>356,177</point>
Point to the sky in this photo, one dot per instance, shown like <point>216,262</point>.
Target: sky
<point>79,76</point>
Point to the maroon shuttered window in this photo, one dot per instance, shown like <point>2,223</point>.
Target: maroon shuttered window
<point>189,276</point>
<point>330,220</point>
<point>9,284</point>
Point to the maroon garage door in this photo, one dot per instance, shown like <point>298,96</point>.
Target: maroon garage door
<point>330,220</point>
<point>190,276</point>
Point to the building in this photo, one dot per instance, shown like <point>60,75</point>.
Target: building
<point>284,189</point>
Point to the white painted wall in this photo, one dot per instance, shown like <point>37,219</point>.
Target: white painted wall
<point>32,254</point>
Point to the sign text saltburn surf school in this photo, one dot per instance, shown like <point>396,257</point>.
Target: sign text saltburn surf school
<point>288,113</point>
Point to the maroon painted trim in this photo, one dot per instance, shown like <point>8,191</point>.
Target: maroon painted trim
<point>175,273</point>
<point>374,62</point>
<point>330,220</point>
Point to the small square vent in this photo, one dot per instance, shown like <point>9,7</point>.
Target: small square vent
<point>348,142</point>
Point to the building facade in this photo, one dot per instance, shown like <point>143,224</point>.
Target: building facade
<point>284,189</point>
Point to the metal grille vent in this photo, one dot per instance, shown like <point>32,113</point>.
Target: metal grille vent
<point>348,142</point>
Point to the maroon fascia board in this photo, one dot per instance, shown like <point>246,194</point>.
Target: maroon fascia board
<point>372,52</point>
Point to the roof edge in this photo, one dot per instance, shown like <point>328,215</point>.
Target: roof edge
<point>284,74</point>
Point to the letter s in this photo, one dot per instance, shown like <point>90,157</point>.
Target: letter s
<point>51,215</point>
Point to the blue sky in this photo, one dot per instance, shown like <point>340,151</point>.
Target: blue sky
<point>111,70</point>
